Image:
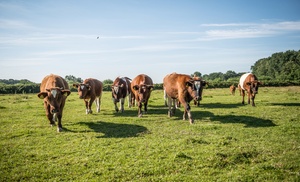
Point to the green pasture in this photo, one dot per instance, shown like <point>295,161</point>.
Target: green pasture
<point>228,142</point>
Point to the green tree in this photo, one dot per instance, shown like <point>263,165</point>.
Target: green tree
<point>197,74</point>
<point>107,81</point>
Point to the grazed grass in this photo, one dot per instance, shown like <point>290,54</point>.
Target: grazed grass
<point>228,142</point>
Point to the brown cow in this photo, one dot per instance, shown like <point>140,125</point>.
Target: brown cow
<point>232,89</point>
<point>183,88</point>
<point>90,90</point>
<point>199,84</point>
<point>54,90</point>
<point>120,89</point>
<point>141,87</point>
<point>250,83</point>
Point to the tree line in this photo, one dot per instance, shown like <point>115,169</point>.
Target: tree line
<point>280,69</point>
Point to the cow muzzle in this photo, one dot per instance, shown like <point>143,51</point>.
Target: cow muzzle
<point>197,98</point>
<point>53,111</point>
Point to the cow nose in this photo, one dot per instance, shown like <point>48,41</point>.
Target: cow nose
<point>197,98</point>
<point>54,110</point>
<point>80,97</point>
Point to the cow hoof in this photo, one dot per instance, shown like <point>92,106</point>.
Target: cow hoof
<point>59,129</point>
<point>98,110</point>
<point>191,121</point>
<point>140,115</point>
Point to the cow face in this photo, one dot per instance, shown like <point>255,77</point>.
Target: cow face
<point>143,91</point>
<point>199,85</point>
<point>253,87</point>
<point>191,88</point>
<point>54,98</point>
<point>82,89</point>
<point>117,92</point>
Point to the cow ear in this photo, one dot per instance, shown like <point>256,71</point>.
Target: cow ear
<point>42,95</point>
<point>189,83</point>
<point>75,85</point>
<point>260,83</point>
<point>88,86</point>
<point>150,87</point>
<point>135,87</point>
<point>66,92</point>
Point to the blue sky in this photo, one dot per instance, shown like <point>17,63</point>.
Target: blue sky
<point>155,37</point>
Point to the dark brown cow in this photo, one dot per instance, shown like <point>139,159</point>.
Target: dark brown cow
<point>141,87</point>
<point>183,88</point>
<point>199,84</point>
<point>54,90</point>
<point>90,90</point>
<point>120,89</point>
<point>232,89</point>
<point>249,82</point>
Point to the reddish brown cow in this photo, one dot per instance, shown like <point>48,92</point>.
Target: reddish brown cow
<point>120,89</point>
<point>54,90</point>
<point>199,84</point>
<point>90,90</point>
<point>232,89</point>
<point>183,88</point>
<point>250,83</point>
<point>141,87</point>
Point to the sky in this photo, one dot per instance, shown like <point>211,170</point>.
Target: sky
<point>104,39</point>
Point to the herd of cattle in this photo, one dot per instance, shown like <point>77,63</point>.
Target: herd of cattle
<point>178,89</point>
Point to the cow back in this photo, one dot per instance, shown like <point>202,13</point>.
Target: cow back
<point>142,79</point>
<point>246,78</point>
<point>175,84</point>
<point>121,87</point>
<point>53,81</point>
<point>96,86</point>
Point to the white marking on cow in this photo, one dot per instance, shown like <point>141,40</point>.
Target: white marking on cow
<point>82,87</point>
<point>54,93</point>
<point>116,89</point>
<point>198,84</point>
<point>242,80</point>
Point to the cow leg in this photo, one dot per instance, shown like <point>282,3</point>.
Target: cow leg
<point>59,125</point>
<point>97,102</point>
<point>140,113</point>
<point>122,104</point>
<point>249,95</point>
<point>48,114</point>
<point>170,113</point>
<point>116,107</point>
<point>129,100</point>
<point>90,103</point>
<point>243,96</point>
<point>166,99</point>
<point>86,107</point>
<point>252,98</point>
<point>187,112</point>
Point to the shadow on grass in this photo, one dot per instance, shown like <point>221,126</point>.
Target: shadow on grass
<point>218,105</point>
<point>248,121</point>
<point>285,104</point>
<point>116,130</point>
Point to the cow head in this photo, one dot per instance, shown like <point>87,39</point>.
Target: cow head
<point>82,89</point>
<point>143,91</point>
<point>199,85</point>
<point>54,98</point>
<point>254,86</point>
<point>116,92</point>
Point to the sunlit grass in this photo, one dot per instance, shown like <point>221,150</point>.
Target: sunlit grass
<point>228,142</point>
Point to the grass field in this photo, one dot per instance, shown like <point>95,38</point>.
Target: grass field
<point>228,142</point>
